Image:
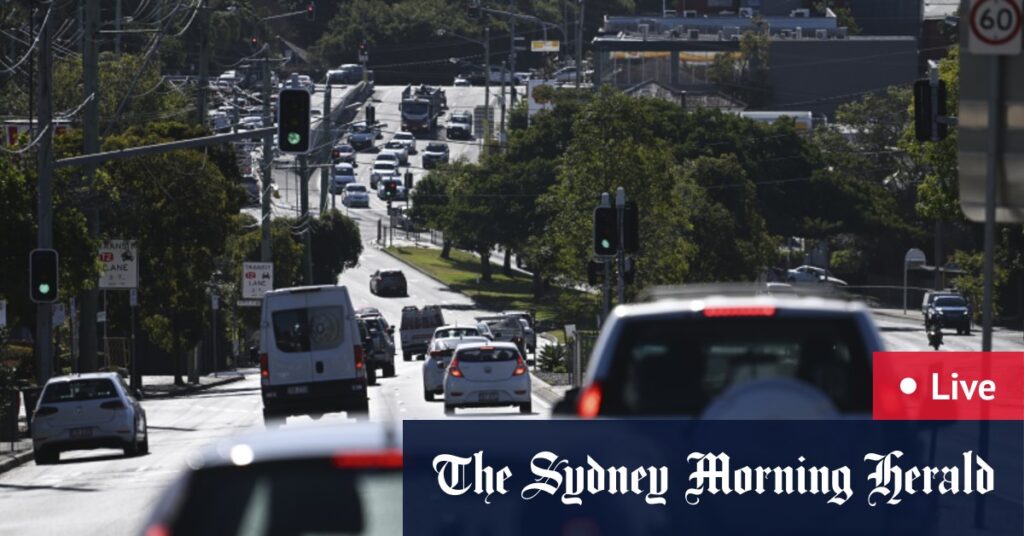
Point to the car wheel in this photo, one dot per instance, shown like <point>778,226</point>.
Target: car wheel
<point>316,416</point>
<point>131,449</point>
<point>46,456</point>
<point>371,375</point>
<point>428,395</point>
<point>967,330</point>
<point>271,421</point>
<point>449,409</point>
<point>389,371</point>
<point>526,408</point>
<point>406,357</point>
<point>144,446</point>
<point>362,412</point>
<point>421,357</point>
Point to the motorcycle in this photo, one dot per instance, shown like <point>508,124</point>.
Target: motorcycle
<point>934,330</point>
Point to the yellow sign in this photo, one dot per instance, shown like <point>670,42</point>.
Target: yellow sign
<point>544,46</point>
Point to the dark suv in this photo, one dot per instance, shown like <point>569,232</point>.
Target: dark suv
<point>949,311</point>
<point>384,282</point>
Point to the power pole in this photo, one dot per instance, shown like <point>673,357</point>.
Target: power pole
<point>620,210</point>
<point>501,131</point>
<point>117,28</point>
<point>487,87</point>
<point>512,48</point>
<point>305,221</point>
<point>266,173</point>
<point>44,311</point>
<point>91,144</point>
<point>325,126</point>
<point>579,46</point>
<point>204,61</point>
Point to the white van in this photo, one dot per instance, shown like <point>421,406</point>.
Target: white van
<point>311,354</point>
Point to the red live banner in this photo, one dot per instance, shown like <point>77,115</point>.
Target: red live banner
<point>948,386</point>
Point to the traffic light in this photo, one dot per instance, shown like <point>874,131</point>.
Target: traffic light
<point>408,181</point>
<point>606,241</point>
<point>311,11</point>
<point>630,228</point>
<point>254,43</point>
<point>390,190</point>
<point>371,114</point>
<point>293,120</point>
<point>595,272</point>
<point>925,118</point>
<point>43,275</point>
<point>364,52</point>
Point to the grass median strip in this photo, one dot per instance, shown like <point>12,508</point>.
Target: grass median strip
<point>461,272</point>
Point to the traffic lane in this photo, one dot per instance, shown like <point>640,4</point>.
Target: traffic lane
<point>101,492</point>
<point>908,334</point>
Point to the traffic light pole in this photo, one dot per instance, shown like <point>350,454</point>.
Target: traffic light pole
<point>620,210</point>
<point>44,311</point>
<point>204,61</point>
<point>325,126</point>
<point>307,225</point>
<point>266,173</point>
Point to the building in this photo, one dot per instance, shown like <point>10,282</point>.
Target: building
<point>814,64</point>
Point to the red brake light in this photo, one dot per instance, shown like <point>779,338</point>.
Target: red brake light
<point>359,356</point>
<point>721,312</point>
<point>453,368</point>
<point>520,367</point>
<point>157,530</point>
<point>590,402</point>
<point>45,410</point>
<point>113,404</point>
<point>388,459</point>
<point>264,366</point>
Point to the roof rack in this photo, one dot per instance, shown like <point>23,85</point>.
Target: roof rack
<point>703,290</point>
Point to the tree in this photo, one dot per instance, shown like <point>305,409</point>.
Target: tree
<point>336,246</point>
<point>430,202</point>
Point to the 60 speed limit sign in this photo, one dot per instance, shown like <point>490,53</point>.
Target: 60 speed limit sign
<point>995,27</point>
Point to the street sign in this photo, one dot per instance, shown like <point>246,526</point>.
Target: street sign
<point>544,46</point>
<point>120,260</point>
<point>101,316</point>
<point>249,303</point>
<point>994,27</point>
<point>257,279</point>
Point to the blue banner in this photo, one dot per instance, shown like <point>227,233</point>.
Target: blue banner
<point>652,477</point>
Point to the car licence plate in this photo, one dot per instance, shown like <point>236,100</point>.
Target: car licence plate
<point>489,396</point>
<point>81,432</point>
<point>298,390</point>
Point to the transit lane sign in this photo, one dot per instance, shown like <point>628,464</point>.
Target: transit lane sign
<point>257,279</point>
<point>120,260</point>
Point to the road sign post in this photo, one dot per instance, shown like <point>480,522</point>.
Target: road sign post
<point>120,260</point>
<point>915,257</point>
<point>257,279</point>
<point>994,27</point>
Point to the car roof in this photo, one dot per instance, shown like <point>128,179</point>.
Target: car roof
<point>696,304</point>
<point>403,133</point>
<point>453,326</point>
<point>495,344</point>
<point>84,376</point>
<point>298,442</point>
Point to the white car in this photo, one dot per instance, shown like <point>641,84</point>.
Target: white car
<point>355,195</point>
<point>88,411</point>
<point>439,355</point>
<point>407,138</point>
<point>461,81</point>
<point>342,175</point>
<point>251,122</point>
<point>812,274</point>
<point>399,149</point>
<point>383,169</point>
<point>485,375</point>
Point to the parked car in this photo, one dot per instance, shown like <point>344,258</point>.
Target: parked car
<point>486,375</point>
<point>405,220</point>
<point>812,274</point>
<point>721,354</point>
<point>459,125</point>
<point>950,311</point>
<point>399,149</point>
<point>343,152</point>
<point>383,169</point>
<point>435,153</point>
<point>388,282</point>
<point>341,176</point>
<point>439,355</point>
<point>311,355</point>
<point>381,351</point>
<point>407,138</point>
<point>322,479</point>
<point>88,411</point>
<point>250,122</point>
<point>355,195</point>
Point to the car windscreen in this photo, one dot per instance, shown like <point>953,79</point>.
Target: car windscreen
<point>303,330</point>
<point>294,497</point>
<point>456,332</point>
<point>384,166</point>
<point>436,148</point>
<point>415,107</point>
<point>481,355</point>
<point>678,366</point>
<point>950,302</point>
<point>356,188</point>
<point>79,390</point>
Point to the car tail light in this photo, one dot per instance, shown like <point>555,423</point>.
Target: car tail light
<point>387,459</point>
<point>359,357</point>
<point>113,404</point>
<point>520,367</point>
<point>590,402</point>
<point>45,410</point>
<point>335,154</point>
<point>264,366</point>
<point>157,530</point>
<point>722,312</point>
<point>453,368</point>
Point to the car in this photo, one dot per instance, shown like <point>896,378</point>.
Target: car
<point>485,375</point>
<point>343,152</point>
<point>341,176</point>
<point>400,192</point>
<point>317,479</point>
<point>349,73</point>
<point>88,411</point>
<point>311,355</point>
<point>439,355</point>
<point>950,311</point>
<point>252,189</point>
<point>391,282</point>
<point>529,328</point>
<point>362,136</point>
<point>355,195</point>
<point>418,325</point>
<point>461,81</point>
<point>459,125</point>
<point>931,295</point>
<point>435,153</point>
<point>383,169</point>
<point>404,218</point>
<point>564,75</point>
<point>454,330</point>
<point>307,82</point>
<point>407,138</point>
<point>730,353</point>
<point>399,149</point>
<point>380,352</point>
<point>250,122</point>
<point>507,328</point>
<point>811,274</point>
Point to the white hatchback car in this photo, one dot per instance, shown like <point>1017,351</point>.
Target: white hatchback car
<point>487,374</point>
<point>406,138</point>
<point>439,355</point>
<point>87,411</point>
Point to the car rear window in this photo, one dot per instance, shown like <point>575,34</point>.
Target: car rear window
<point>478,355</point>
<point>295,497</point>
<point>456,332</point>
<point>78,390</point>
<point>313,329</point>
<point>394,276</point>
<point>356,188</point>
<point>677,366</point>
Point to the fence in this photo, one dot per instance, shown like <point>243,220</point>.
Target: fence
<point>579,355</point>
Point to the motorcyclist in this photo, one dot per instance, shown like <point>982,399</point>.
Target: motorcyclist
<point>934,331</point>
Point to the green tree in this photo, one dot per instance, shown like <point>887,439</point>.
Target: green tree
<point>430,202</point>
<point>336,246</point>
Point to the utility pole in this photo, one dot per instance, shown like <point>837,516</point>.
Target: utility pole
<point>501,131</point>
<point>31,73</point>
<point>325,126</point>
<point>511,48</point>
<point>204,61</point>
<point>91,144</point>
<point>305,221</point>
<point>44,311</point>
<point>579,46</point>
<point>487,86</point>
<point>117,28</point>
<point>266,173</point>
<point>620,210</point>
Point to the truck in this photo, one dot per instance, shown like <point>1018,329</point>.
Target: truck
<point>421,107</point>
<point>418,325</point>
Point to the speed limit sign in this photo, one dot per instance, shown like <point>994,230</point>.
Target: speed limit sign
<point>995,27</point>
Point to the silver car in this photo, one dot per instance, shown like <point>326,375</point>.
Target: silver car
<point>88,411</point>
<point>439,356</point>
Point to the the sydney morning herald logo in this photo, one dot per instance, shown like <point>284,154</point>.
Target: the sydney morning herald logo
<point>715,473</point>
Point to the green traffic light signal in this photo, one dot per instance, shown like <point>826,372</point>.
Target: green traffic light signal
<point>44,275</point>
<point>294,138</point>
<point>44,288</point>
